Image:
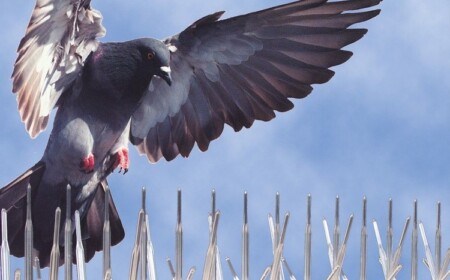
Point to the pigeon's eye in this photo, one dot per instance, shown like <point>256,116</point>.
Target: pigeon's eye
<point>150,55</point>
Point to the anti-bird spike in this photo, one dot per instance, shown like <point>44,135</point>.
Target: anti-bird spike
<point>134,265</point>
<point>179,241</point>
<point>414,239</point>
<point>68,232</point>
<point>106,236</point>
<point>81,265</point>
<point>363,253</point>
<point>28,238</point>
<point>245,242</point>
<point>308,236</point>
<point>54,256</point>
<point>438,238</point>
<point>37,266</point>
<point>5,247</point>
<point>143,247</point>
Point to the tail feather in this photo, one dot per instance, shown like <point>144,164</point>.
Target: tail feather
<point>94,220</point>
<point>13,199</point>
<point>15,191</point>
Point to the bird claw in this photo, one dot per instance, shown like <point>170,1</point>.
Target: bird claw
<point>122,160</point>
<point>125,170</point>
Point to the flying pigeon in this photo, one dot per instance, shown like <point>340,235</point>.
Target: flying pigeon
<point>163,96</point>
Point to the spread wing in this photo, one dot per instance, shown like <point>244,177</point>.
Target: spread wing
<point>60,36</point>
<point>242,69</point>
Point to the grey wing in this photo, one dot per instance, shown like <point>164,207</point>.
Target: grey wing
<point>60,36</point>
<point>243,69</point>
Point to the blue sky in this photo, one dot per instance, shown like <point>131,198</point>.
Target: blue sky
<point>379,128</point>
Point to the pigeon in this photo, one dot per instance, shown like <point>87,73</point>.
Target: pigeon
<point>162,96</point>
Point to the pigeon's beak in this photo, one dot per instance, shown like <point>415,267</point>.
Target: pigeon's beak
<point>165,74</point>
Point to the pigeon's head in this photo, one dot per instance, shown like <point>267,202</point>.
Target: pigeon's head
<point>155,58</point>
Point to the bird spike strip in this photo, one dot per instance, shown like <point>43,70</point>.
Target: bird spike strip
<point>144,267</point>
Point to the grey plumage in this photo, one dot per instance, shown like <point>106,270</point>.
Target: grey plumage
<point>215,72</point>
<point>242,69</point>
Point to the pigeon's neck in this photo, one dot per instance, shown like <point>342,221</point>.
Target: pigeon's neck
<point>114,69</point>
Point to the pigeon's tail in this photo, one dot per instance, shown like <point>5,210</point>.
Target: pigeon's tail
<point>92,223</point>
<point>13,198</point>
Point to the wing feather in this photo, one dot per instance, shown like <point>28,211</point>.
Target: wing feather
<point>262,92</point>
<point>58,39</point>
<point>242,69</point>
<point>165,138</point>
<point>182,136</point>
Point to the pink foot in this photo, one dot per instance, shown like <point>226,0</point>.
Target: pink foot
<point>122,160</point>
<point>87,164</point>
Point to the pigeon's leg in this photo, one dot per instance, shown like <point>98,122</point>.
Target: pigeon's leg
<point>122,160</point>
<point>87,164</point>
<point>120,151</point>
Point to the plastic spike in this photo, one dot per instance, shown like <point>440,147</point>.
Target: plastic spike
<point>343,247</point>
<point>216,269</point>
<point>106,236</point>
<point>219,273</point>
<point>17,274</point>
<point>266,273</point>
<point>389,259</point>
<point>308,238</point>
<point>276,265</point>
<point>232,270</point>
<point>334,273</point>
<point>277,221</point>
<point>211,216</point>
<point>213,202</point>
<point>396,258</point>
<point>336,231</point>
<point>28,239</point>
<point>37,266</point>
<point>5,247</point>
<point>179,241</point>
<point>328,240</point>
<point>54,255</point>
<point>150,252</point>
<point>143,241</point>
<point>171,269</point>
<point>79,250</point>
<point>245,241</point>
<point>363,249</point>
<point>191,273</point>
<point>143,250</point>
<point>134,266</point>
<point>389,236</point>
<point>444,274</point>
<point>68,232</point>
<point>274,227</point>
<point>414,238</point>
<point>394,273</point>
<point>107,275</point>
<point>381,252</point>
<point>288,269</point>
<point>437,270</point>
<point>272,231</point>
<point>208,272</point>
<point>144,200</point>
<point>336,252</point>
<point>438,239</point>
<point>244,246</point>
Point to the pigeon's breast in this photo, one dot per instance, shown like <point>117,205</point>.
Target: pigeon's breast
<point>113,71</point>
